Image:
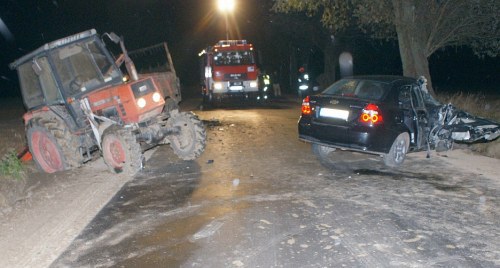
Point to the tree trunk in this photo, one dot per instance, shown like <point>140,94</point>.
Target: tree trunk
<point>330,62</point>
<point>292,69</point>
<point>411,46</point>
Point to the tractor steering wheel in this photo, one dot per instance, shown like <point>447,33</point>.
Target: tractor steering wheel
<point>77,83</point>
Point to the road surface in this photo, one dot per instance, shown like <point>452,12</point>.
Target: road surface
<point>259,198</point>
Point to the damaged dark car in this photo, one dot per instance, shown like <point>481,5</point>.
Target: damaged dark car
<point>388,116</point>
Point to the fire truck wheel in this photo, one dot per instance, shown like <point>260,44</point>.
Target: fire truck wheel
<point>189,142</point>
<point>53,147</point>
<point>121,152</point>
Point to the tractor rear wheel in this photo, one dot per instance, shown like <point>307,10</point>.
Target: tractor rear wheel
<point>53,146</point>
<point>46,152</point>
<point>121,152</point>
<point>189,142</point>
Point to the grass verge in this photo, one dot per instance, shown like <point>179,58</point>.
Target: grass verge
<point>11,166</point>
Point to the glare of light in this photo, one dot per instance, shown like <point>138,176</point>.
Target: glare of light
<point>226,5</point>
<point>141,103</point>
<point>218,85</point>
<point>346,64</point>
<point>156,97</point>
<point>5,31</point>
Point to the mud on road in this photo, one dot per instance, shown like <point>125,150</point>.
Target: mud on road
<point>258,197</point>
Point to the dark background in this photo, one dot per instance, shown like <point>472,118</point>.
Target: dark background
<point>190,25</point>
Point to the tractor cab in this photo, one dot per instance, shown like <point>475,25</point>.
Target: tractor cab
<point>66,69</point>
<point>62,71</point>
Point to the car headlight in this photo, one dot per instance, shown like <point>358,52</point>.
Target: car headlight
<point>217,85</point>
<point>156,97</point>
<point>141,103</point>
<point>253,84</point>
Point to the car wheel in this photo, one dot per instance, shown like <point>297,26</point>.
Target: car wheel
<point>397,153</point>
<point>325,155</point>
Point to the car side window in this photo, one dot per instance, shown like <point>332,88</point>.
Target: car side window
<point>418,101</point>
<point>405,97</point>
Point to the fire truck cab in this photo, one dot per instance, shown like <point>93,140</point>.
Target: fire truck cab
<point>229,70</point>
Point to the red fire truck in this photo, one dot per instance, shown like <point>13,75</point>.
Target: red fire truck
<point>228,70</point>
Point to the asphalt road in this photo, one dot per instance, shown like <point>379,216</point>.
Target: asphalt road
<point>258,197</point>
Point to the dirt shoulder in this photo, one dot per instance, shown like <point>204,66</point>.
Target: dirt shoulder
<point>54,210</point>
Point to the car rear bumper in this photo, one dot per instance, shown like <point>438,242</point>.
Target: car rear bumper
<point>357,138</point>
<point>346,147</point>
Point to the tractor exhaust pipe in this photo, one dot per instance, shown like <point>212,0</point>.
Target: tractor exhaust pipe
<point>129,64</point>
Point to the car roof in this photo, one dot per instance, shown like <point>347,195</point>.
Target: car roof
<point>390,79</point>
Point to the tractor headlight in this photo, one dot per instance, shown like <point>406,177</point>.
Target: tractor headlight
<point>141,103</point>
<point>253,84</point>
<point>156,97</point>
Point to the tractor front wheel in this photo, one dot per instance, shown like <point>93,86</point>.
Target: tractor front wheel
<point>121,152</point>
<point>189,142</point>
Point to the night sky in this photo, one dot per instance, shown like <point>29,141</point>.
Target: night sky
<point>190,25</point>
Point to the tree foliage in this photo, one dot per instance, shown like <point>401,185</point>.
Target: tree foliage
<point>421,26</point>
<point>440,23</point>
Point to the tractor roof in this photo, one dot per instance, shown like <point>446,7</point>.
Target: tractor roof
<point>54,44</point>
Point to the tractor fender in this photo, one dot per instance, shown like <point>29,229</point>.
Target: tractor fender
<point>104,126</point>
<point>43,112</point>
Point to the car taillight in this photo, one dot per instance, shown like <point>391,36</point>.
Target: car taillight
<point>306,107</point>
<point>371,115</point>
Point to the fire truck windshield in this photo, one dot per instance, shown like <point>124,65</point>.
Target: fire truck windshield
<point>238,57</point>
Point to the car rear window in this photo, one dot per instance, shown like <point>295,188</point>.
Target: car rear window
<point>363,89</point>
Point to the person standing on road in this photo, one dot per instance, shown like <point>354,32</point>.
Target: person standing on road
<point>276,85</point>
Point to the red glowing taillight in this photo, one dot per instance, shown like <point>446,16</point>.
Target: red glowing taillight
<point>371,115</point>
<point>306,107</point>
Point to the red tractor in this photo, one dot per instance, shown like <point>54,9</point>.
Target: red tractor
<point>80,104</point>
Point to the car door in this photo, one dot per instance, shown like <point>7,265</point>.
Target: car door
<point>413,114</point>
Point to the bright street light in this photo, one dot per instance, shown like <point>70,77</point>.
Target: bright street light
<point>226,6</point>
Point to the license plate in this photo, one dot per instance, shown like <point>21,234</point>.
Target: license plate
<point>235,88</point>
<point>334,113</point>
